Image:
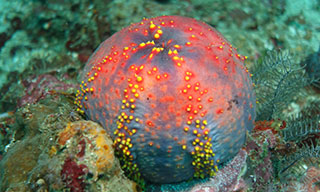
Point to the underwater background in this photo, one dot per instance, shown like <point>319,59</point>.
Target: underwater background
<point>47,145</point>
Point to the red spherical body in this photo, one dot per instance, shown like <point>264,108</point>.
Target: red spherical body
<point>174,95</point>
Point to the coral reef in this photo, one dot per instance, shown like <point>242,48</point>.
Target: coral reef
<point>93,140</point>
<point>32,128</point>
<point>40,87</point>
<point>166,95</point>
<point>44,45</point>
<point>52,42</point>
<point>17,163</point>
<point>73,175</point>
<point>89,152</point>
<point>52,150</point>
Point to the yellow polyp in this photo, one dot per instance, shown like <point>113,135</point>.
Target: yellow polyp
<point>177,46</point>
<point>156,36</point>
<point>142,45</point>
<point>175,58</point>
<point>175,52</point>
<point>205,122</point>
<point>152,26</point>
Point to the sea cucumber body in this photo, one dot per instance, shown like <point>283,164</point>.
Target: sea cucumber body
<point>173,94</point>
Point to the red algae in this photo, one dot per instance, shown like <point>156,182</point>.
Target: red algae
<point>174,95</point>
<point>73,175</point>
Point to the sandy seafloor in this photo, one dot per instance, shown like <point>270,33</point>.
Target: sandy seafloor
<point>44,45</point>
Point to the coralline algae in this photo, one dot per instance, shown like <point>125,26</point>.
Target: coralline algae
<point>173,94</point>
